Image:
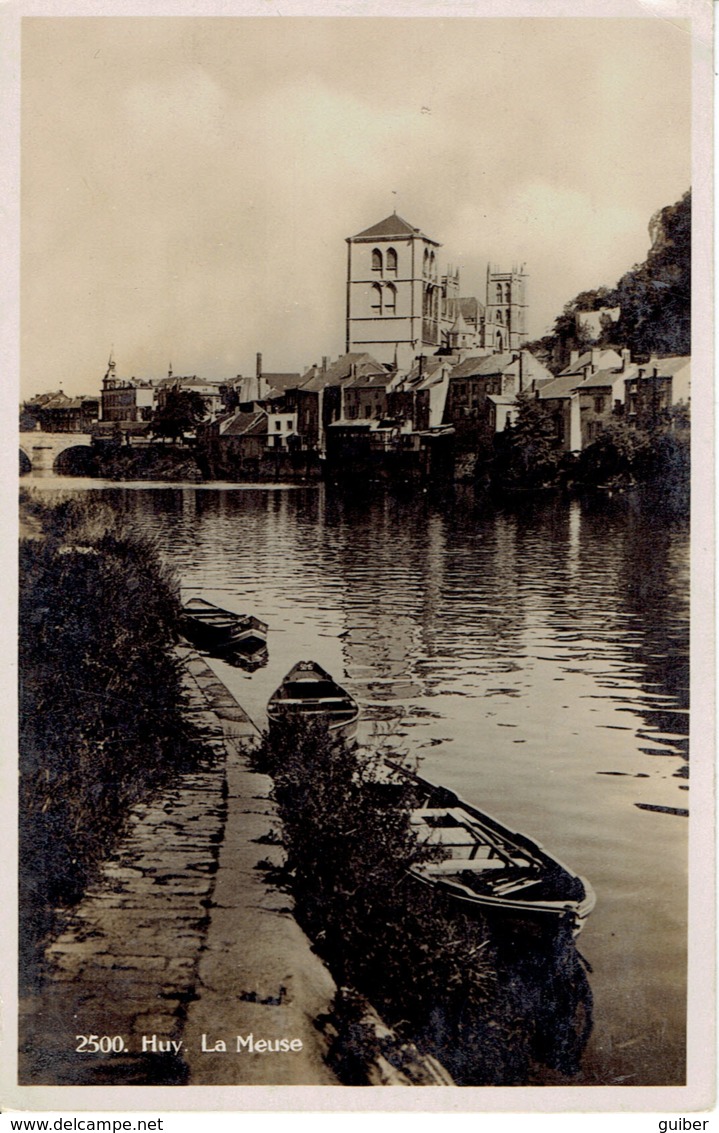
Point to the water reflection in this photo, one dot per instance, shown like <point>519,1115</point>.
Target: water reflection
<point>535,654</point>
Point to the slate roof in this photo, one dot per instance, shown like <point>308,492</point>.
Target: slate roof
<point>44,398</point>
<point>176,380</point>
<point>339,370</point>
<point>282,381</point>
<point>369,379</point>
<point>666,366</point>
<point>432,370</point>
<point>604,378</point>
<point>469,306</point>
<point>560,387</point>
<point>57,401</point>
<point>502,398</point>
<point>243,424</point>
<point>481,365</point>
<point>585,359</point>
<point>391,226</point>
<point>459,326</point>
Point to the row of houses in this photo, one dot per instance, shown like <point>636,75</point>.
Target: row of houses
<point>599,385</point>
<point>356,404</point>
<point>57,413</point>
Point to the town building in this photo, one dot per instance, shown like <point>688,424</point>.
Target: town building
<point>281,428</point>
<point>58,413</point>
<point>233,446</point>
<point>420,395</point>
<point>318,400</point>
<point>600,397</point>
<point>484,387</point>
<point>210,392</point>
<point>560,399</point>
<point>364,396</point>
<point>657,386</point>
<point>125,400</point>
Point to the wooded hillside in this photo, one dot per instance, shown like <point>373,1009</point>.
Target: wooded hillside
<point>654,298</point>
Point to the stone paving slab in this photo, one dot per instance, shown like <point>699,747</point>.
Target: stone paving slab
<point>181,935</point>
<point>258,977</point>
<point>130,950</point>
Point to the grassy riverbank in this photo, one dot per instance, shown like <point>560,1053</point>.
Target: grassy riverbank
<point>490,1013</point>
<point>101,705</point>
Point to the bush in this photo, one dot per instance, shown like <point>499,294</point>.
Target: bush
<point>432,972</point>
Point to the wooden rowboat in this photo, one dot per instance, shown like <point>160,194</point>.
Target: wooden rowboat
<point>498,873</point>
<point>221,631</point>
<point>311,692</point>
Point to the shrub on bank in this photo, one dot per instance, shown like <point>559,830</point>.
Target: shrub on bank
<point>101,718</point>
<point>432,972</point>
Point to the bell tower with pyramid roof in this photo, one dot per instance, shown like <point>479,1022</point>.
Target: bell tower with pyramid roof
<point>393,292</point>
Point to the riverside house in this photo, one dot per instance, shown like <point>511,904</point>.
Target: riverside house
<point>558,396</point>
<point>658,385</point>
<point>485,387</point>
<point>601,397</point>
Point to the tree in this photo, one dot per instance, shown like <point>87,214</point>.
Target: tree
<point>654,297</point>
<point>180,413</point>
<point>528,456</point>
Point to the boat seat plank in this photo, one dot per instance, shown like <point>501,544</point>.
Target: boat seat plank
<point>449,836</point>
<point>460,865</point>
<point>516,886</point>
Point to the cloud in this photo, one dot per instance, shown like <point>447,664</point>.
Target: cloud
<point>189,183</point>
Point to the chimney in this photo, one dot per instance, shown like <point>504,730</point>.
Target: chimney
<point>258,370</point>
<point>595,357</point>
<point>324,363</point>
<point>626,359</point>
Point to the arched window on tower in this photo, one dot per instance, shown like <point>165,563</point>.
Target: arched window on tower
<point>499,292</point>
<point>500,319</point>
<point>391,261</point>
<point>508,293</point>
<point>376,260</point>
<point>432,265</point>
<point>390,299</point>
<point>425,262</point>
<point>376,298</point>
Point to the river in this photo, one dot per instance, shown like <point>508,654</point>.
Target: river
<point>535,655</point>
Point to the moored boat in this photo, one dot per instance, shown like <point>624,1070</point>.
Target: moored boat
<point>310,692</point>
<point>221,631</point>
<point>489,869</point>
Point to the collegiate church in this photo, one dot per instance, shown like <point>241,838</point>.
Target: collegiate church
<point>400,306</point>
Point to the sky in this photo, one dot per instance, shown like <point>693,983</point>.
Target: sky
<point>188,182</point>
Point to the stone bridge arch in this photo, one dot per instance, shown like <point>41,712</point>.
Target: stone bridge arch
<point>44,452</point>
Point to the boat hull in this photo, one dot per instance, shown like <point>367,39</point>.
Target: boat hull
<point>494,873</point>
<point>221,631</point>
<point>309,693</point>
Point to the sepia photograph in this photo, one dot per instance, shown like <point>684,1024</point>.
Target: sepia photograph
<point>357,543</point>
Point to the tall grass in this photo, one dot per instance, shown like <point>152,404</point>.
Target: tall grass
<point>101,704</point>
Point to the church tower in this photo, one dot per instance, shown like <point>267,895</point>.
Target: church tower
<point>505,316</point>
<point>393,292</point>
